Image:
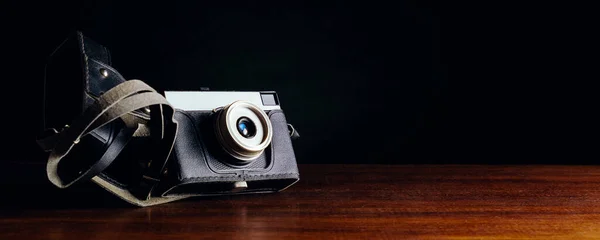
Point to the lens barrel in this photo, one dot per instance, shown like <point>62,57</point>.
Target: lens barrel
<point>243,130</point>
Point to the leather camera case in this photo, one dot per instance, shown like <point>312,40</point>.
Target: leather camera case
<point>201,167</point>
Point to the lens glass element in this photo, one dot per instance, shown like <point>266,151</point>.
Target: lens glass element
<point>246,127</point>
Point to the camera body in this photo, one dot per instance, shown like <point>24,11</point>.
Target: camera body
<point>229,143</point>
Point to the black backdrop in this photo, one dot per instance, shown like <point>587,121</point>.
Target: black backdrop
<point>363,81</point>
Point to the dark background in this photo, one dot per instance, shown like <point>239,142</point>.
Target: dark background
<point>362,81</point>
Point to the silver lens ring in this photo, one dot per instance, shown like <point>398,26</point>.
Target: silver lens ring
<point>230,122</point>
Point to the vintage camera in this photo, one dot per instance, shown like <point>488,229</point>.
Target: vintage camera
<point>150,148</point>
<point>229,143</point>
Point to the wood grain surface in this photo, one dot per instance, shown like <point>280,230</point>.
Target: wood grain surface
<point>334,202</point>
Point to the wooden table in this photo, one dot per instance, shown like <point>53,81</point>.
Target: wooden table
<point>337,202</point>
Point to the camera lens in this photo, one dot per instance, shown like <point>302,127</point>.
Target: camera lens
<point>246,127</point>
<point>243,130</point>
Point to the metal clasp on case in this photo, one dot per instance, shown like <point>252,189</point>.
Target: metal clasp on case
<point>239,186</point>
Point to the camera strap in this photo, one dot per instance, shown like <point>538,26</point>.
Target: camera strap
<point>117,103</point>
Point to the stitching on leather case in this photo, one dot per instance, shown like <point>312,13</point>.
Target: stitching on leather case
<point>249,176</point>
<point>270,175</point>
<point>208,178</point>
<point>85,59</point>
<point>258,190</point>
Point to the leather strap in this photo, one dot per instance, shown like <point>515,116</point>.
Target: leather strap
<point>116,103</point>
<point>111,153</point>
<point>127,196</point>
